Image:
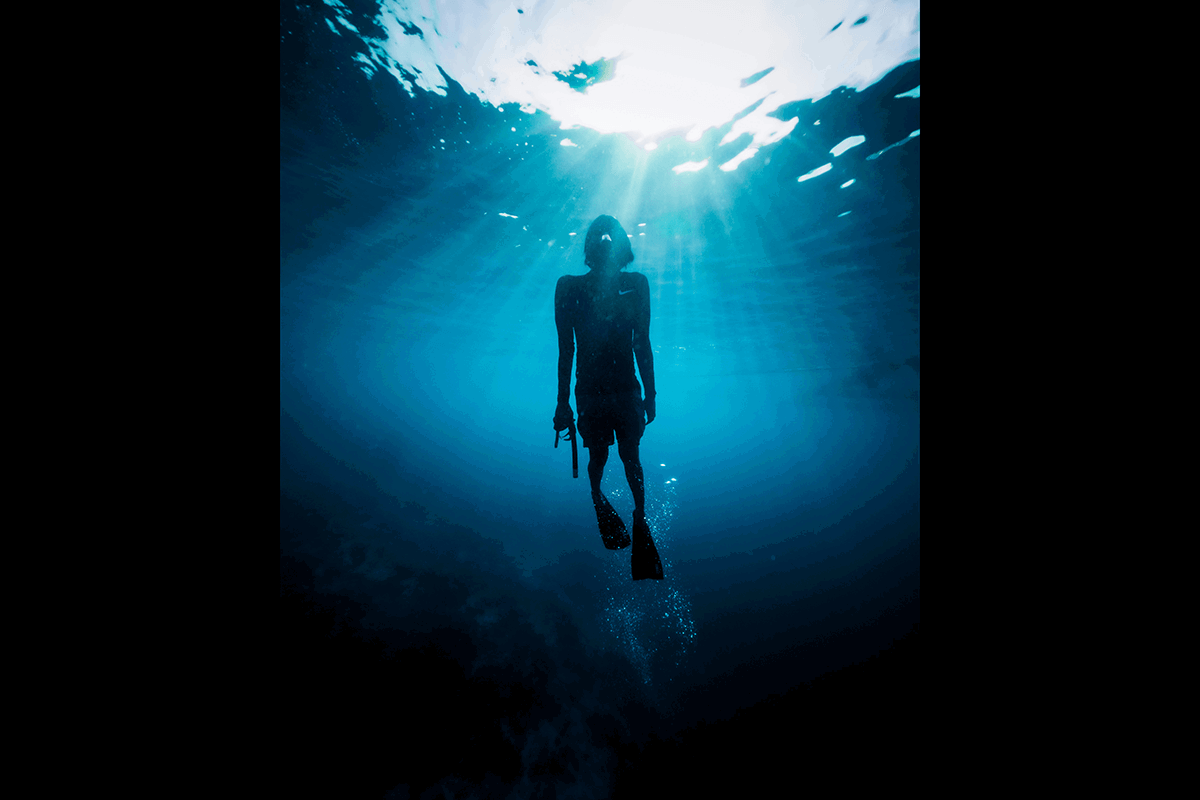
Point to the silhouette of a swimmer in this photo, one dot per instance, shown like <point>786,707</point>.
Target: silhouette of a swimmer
<point>607,313</point>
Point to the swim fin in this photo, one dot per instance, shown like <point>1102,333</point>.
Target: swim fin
<point>612,529</point>
<point>646,563</point>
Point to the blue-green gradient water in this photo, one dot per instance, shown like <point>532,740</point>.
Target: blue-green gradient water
<point>439,167</point>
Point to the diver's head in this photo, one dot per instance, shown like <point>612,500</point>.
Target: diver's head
<point>606,246</point>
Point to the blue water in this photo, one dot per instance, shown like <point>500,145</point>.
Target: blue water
<point>425,217</point>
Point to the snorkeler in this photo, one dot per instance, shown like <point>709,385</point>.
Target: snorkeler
<point>607,312</point>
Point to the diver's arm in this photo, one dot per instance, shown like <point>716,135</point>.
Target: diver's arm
<point>566,351</point>
<point>641,345</point>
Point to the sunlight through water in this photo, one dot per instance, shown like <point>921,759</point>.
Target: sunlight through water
<point>646,69</point>
<point>418,311</point>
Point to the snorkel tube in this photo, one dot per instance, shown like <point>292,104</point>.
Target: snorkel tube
<point>569,436</point>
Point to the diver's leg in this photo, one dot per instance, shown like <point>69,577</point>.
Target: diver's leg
<point>596,462</point>
<point>612,529</point>
<point>633,473</point>
<point>645,563</point>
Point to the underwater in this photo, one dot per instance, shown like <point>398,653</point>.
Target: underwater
<point>452,622</point>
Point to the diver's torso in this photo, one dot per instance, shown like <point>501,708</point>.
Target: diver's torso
<point>602,314</point>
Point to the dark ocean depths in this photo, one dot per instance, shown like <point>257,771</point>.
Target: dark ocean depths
<point>450,622</point>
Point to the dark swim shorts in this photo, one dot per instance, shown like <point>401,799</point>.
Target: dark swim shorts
<point>601,416</point>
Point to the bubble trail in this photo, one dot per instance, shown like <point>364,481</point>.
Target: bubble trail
<point>650,621</point>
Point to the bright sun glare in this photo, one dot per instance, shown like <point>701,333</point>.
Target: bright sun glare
<point>679,69</point>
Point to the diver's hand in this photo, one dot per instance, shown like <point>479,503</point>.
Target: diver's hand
<point>563,417</point>
<point>651,411</point>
